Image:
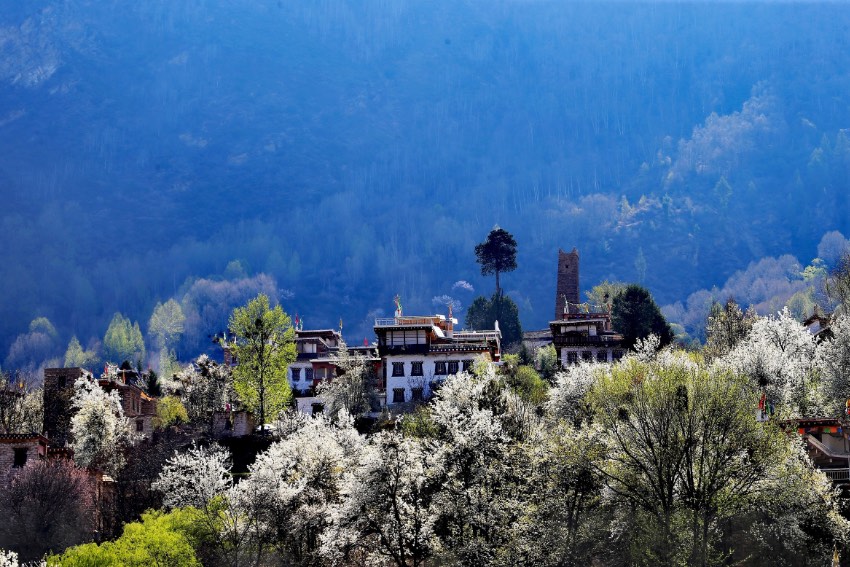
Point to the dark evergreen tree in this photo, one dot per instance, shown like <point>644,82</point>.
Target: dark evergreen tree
<point>636,315</point>
<point>497,254</point>
<point>483,314</point>
<point>153,386</point>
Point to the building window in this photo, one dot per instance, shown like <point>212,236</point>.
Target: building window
<point>317,408</point>
<point>416,369</point>
<point>572,357</point>
<point>440,369</point>
<point>602,356</point>
<point>398,395</point>
<point>398,369</point>
<point>618,354</point>
<point>296,374</point>
<point>453,366</point>
<point>308,374</point>
<point>62,382</point>
<point>467,365</point>
<point>587,356</point>
<point>20,457</point>
<point>416,394</point>
<point>140,425</point>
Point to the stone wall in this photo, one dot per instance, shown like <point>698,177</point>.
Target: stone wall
<point>568,285</point>
<point>36,447</point>
<point>232,424</point>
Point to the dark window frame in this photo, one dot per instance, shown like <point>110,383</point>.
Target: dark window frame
<point>21,454</point>
<point>440,368</point>
<point>453,367</point>
<point>416,368</point>
<point>399,393</point>
<point>398,369</point>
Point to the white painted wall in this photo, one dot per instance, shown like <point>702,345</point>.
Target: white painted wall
<point>303,383</point>
<point>429,364</point>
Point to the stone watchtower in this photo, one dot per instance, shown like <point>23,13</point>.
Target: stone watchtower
<point>567,281</point>
<point>58,392</point>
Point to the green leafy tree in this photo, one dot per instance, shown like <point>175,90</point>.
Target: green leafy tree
<point>546,362</point>
<point>694,473</point>
<point>168,365</point>
<point>77,357</point>
<point>123,341</point>
<point>159,539</point>
<point>636,315</point>
<point>524,381</point>
<point>603,294</point>
<point>264,346</point>
<point>166,324</point>
<point>169,411</point>
<point>497,254</point>
<point>483,314</point>
<point>43,325</point>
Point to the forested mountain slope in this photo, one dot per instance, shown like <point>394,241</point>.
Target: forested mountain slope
<point>355,150</point>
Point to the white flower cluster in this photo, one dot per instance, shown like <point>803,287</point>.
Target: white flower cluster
<point>98,428</point>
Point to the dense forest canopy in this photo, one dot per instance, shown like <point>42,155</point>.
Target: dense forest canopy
<point>333,154</point>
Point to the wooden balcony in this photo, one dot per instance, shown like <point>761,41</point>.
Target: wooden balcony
<point>838,476</point>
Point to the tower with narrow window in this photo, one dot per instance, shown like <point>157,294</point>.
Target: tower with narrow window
<point>567,289</point>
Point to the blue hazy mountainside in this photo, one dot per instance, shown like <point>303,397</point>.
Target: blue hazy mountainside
<point>341,152</point>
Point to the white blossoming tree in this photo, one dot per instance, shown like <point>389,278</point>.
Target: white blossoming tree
<point>567,398</point>
<point>204,387</point>
<point>833,362</point>
<point>294,484</point>
<point>195,478</point>
<point>99,429</point>
<point>200,479</point>
<point>778,357</point>
<point>387,514</point>
<point>475,505</point>
<point>352,390</point>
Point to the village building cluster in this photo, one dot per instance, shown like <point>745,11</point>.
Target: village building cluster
<point>411,356</point>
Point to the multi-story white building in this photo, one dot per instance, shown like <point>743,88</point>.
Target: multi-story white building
<point>419,353</point>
